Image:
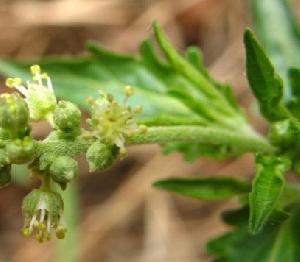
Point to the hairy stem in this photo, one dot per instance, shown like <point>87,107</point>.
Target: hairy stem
<point>251,142</point>
<point>246,141</point>
<point>67,249</point>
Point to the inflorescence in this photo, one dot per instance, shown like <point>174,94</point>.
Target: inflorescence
<point>110,124</point>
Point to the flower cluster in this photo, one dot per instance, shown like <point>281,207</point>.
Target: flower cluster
<point>51,160</point>
<point>112,122</point>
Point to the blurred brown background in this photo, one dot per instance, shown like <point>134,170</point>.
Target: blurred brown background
<point>123,219</point>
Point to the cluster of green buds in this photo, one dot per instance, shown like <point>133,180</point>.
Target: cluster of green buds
<point>51,160</point>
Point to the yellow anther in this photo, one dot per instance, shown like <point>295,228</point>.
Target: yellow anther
<point>26,232</point>
<point>110,98</point>
<point>128,90</point>
<point>35,69</point>
<point>42,226</point>
<point>138,109</point>
<point>143,129</point>
<point>44,75</point>
<point>60,232</point>
<point>89,99</point>
<point>9,82</point>
<point>18,142</point>
<point>48,237</point>
<point>17,81</point>
<point>36,224</point>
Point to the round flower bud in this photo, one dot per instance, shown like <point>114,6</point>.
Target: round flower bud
<point>42,211</point>
<point>100,155</point>
<point>5,175</point>
<point>20,151</point>
<point>67,116</point>
<point>63,169</point>
<point>282,133</point>
<point>14,113</point>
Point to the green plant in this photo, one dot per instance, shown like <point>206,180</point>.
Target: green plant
<point>184,109</point>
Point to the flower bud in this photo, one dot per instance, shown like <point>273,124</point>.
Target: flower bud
<point>67,117</point>
<point>100,156</point>
<point>42,211</point>
<point>5,175</point>
<point>21,151</point>
<point>63,169</point>
<point>14,113</point>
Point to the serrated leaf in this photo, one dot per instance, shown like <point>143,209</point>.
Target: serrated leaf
<point>74,78</point>
<point>265,83</point>
<point>266,189</point>
<point>294,80</point>
<point>155,82</point>
<point>195,150</point>
<point>208,188</point>
<point>277,242</point>
<point>279,34</point>
<point>195,72</point>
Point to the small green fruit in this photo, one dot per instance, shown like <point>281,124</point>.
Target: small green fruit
<point>14,113</point>
<point>21,151</point>
<point>63,169</point>
<point>100,155</point>
<point>67,117</point>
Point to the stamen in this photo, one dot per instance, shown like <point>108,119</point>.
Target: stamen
<point>35,69</point>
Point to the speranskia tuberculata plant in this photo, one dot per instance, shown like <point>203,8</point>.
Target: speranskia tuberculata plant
<point>51,160</point>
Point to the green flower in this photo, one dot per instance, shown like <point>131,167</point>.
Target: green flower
<point>42,211</point>
<point>38,94</point>
<point>111,122</point>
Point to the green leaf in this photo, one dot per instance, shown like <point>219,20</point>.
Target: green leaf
<point>195,150</point>
<point>264,81</point>
<point>278,241</point>
<point>208,188</point>
<point>266,189</point>
<point>206,89</point>
<point>75,78</point>
<point>279,34</point>
<point>172,92</point>
<point>294,80</point>
<point>194,56</point>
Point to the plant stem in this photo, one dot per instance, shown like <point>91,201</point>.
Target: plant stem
<point>67,249</point>
<point>244,140</point>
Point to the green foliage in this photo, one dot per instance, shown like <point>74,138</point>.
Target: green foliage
<point>178,91</point>
<point>278,241</point>
<point>208,188</point>
<point>264,81</point>
<point>266,189</point>
<point>184,109</point>
<point>279,34</point>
